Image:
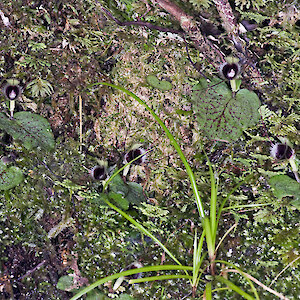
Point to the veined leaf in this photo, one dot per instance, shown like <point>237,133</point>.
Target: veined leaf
<point>222,114</point>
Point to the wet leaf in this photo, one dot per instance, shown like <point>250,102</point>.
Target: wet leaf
<point>96,295</point>
<point>31,129</point>
<point>135,194</point>
<point>9,176</point>
<point>117,185</point>
<point>222,114</point>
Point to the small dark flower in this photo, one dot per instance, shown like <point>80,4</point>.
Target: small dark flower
<point>282,151</point>
<point>134,153</point>
<point>99,172</point>
<point>230,69</point>
<point>12,90</point>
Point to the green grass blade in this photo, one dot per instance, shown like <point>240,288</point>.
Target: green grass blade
<point>162,277</point>
<point>246,205</point>
<point>231,192</point>
<point>208,292</point>
<point>197,258</point>
<point>242,273</point>
<point>126,273</point>
<point>213,202</point>
<point>209,239</point>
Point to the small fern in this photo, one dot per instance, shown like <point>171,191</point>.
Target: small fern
<point>40,88</point>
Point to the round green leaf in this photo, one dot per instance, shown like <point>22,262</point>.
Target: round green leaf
<point>9,176</point>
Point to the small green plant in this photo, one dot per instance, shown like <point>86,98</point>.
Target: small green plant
<point>209,234</point>
<point>285,186</point>
<point>40,88</point>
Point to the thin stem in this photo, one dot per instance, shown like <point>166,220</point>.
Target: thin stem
<point>142,229</point>
<point>126,273</point>
<point>224,236</point>
<point>80,123</point>
<point>162,277</point>
<point>284,270</point>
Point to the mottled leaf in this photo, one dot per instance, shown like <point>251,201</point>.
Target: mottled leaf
<point>31,129</point>
<point>222,114</point>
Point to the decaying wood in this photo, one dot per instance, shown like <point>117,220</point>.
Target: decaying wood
<point>189,25</point>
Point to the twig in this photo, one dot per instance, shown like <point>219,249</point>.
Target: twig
<point>33,270</point>
<point>193,30</point>
<point>284,270</point>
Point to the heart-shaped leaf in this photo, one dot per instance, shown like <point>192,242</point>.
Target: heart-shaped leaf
<point>31,129</point>
<point>9,176</point>
<point>222,114</point>
<point>163,85</point>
